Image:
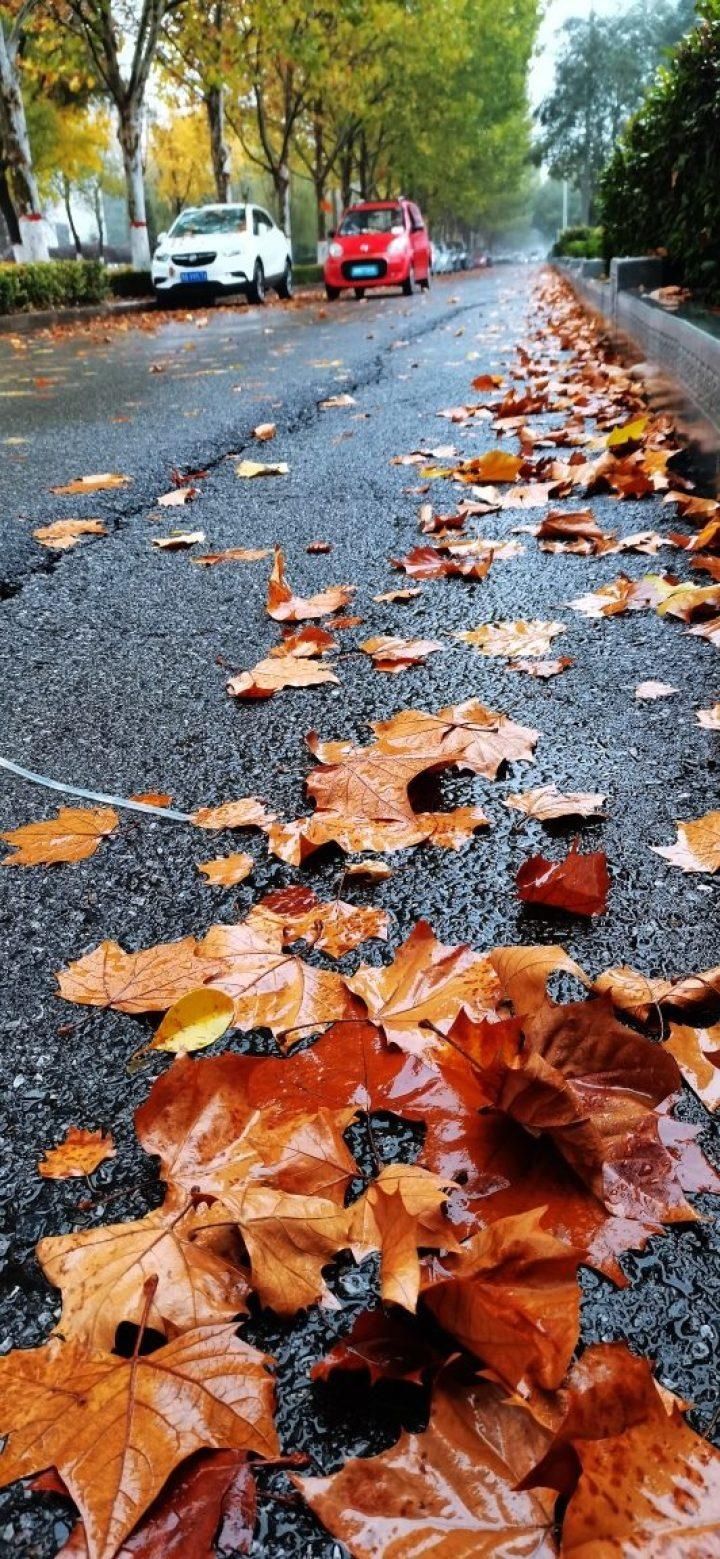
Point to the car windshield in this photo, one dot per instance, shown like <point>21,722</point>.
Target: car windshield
<point>378,219</point>
<point>231,219</point>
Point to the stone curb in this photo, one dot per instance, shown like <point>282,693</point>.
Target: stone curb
<point>39,319</point>
<point>679,361</point>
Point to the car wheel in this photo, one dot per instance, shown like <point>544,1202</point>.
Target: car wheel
<point>332,293</point>
<point>408,285</point>
<point>359,292</point>
<point>285,286</point>
<point>256,290</point>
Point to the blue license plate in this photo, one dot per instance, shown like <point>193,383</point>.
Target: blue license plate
<point>193,276</point>
<point>365,270</point>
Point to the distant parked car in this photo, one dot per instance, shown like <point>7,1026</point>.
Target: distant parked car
<point>223,249</point>
<point>379,243</point>
<point>459,257</point>
<point>441,260</point>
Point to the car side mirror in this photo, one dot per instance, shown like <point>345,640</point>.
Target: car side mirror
<point>332,233</point>
<point>161,238</point>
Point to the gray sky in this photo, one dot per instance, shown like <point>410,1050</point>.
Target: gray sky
<point>557,12</point>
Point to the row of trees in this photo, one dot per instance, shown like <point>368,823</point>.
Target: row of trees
<point>362,95</point>
<point>603,68</point>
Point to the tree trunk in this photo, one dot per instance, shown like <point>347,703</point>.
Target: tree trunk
<point>346,168</point>
<point>71,220</point>
<point>282,189</point>
<point>8,212</point>
<point>129,132</point>
<point>97,206</point>
<point>215,107</point>
<point>18,161</point>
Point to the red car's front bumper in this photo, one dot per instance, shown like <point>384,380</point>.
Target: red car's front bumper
<point>394,268</point>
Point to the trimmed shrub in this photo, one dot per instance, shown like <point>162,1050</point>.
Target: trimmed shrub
<point>661,191</point>
<point>579,243</point>
<point>51,284</point>
<point>128,283</point>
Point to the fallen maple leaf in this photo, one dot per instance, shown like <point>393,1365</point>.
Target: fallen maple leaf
<point>310,641</point>
<point>147,981</point>
<point>246,813</point>
<point>93,484</point>
<point>179,540</point>
<point>393,655</point>
<point>286,607</point>
<point>403,1210</point>
<point>264,432</point>
<point>608,601</point>
<point>398,595</point>
<point>102,1275</point>
<point>421,992</point>
<point>336,928</point>
<point>576,524</point>
<point>698,845</point>
<point>80,1153</point>
<point>578,884</point>
<point>654,690</point>
<point>382,1345</point>
<point>254,468</point>
<point>510,639</point>
<point>697,1052</point>
<point>212,1489</point>
<point>177,497</point>
<point>547,803</point>
<point>337,402</point>
<point>232,555</point>
<point>227,870</point>
<point>273,674</point>
<point>709,719</point>
<point>510,1296</point>
<point>429,563</point>
<point>451,1490</point>
<point>63,534</point>
<point>498,465</point>
<point>72,835</point>
<point>102,1421</point>
<point>452,830</point>
<point>289,1240</point>
<point>542,668</point>
<point>374,871</point>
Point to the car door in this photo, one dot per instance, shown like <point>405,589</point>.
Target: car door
<point>419,241</point>
<point>270,242</point>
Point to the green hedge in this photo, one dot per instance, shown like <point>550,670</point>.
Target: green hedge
<point>661,191</point>
<point>303,275</point>
<point>580,243</point>
<point>130,284</point>
<point>51,284</point>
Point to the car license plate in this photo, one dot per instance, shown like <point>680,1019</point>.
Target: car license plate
<point>364,270</point>
<point>193,276</point>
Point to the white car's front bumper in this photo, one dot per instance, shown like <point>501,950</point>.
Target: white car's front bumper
<point>229,272</point>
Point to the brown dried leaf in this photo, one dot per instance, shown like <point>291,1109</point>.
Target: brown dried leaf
<point>226,870</point>
<point>393,654</point>
<point>63,534</point>
<point>286,607</point>
<point>547,803</point>
<point>510,639</point>
<point>698,845</point>
<point>247,813</point>
<point>93,484</point>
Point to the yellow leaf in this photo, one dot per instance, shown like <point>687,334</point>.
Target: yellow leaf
<point>195,1021</point>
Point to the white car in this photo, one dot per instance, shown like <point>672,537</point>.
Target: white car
<point>225,248</point>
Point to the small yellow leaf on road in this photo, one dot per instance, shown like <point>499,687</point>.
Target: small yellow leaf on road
<point>195,1021</point>
<point>251,468</point>
<point>93,484</point>
<point>226,870</point>
<point>78,1154</point>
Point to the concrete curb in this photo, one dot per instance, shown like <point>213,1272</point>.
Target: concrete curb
<point>679,361</point>
<point>39,319</point>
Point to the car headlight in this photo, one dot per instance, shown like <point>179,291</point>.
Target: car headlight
<point>396,246</point>
<point>336,251</point>
<point>162,258</point>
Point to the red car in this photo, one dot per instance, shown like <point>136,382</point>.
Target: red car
<point>379,243</point>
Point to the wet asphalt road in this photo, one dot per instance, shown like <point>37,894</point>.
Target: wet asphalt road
<point>110,677</point>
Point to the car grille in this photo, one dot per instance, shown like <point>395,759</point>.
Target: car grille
<point>350,269</point>
<point>199,257</point>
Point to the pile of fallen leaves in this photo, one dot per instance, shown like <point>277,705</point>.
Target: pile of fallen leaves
<point>545,1131</point>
